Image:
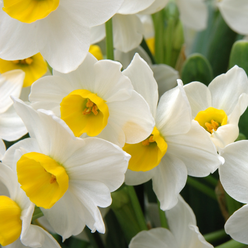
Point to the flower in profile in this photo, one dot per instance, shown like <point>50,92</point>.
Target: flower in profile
<point>16,212</point>
<point>34,67</point>
<point>97,100</point>
<point>67,177</point>
<point>11,125</point>
<point>176,147</point>
<point>182,233</point>
<point>218,107</point>
<point>233,176</point>
<point>59,30</point>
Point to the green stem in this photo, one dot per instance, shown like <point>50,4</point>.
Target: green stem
<point>215,236</point>
<point>136,207</point>
<point>232,205</point>
<point>158,22</point>
<point>163,220</point>
<point>94,238</point>
<point>37,213</point>
<point>211,180</point>
<point>109,39</point>
<point>231,244</point>
<point>201,187</point>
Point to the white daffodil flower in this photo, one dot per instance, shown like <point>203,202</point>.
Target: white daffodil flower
<point>235,14</point>
<point>16,212</point>
<point>97,100</point>
<point>176,147</point>
<point>182,233</point>
<point>234,178</point>
<point>67,177</point>
<point>218,107</point>
<point>58,29</point>
<point>11,125</point>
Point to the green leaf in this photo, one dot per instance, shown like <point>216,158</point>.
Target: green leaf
<point>197,68</point>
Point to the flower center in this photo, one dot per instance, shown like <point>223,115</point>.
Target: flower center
<point>34,67</point>
<point>29,11</point>
<point>27,61</point>
<point>147,154</point>
<point>211,119</point>
<point>84,112</point>
<point>10,221</point>
<point>43,179</point>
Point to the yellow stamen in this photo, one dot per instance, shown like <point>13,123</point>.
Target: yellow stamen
<point>42,178</point>
<point>84,112</point>
<point>147,154</point>
<point>211,126</point>
<point>211,119</point>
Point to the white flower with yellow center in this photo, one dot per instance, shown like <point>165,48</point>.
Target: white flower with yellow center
<point>97,100</point>
<point>182,233</point>
<point>67,177</point>
<point>11,125</point>
<point>16,212</point>
<point>58,29</point>
<point>218,107</point>
<point>176,147</point>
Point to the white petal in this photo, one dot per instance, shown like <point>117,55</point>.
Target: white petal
<point>138,177</point>
<point>128,32</point>
<point>179,218</point>
<point>132,7</point>
<point>19,40</point>
<point>196,150</point>
<point>227,88</point>
<point>234,172</point>
<point>134,117</point>
<point>156,237</point>
<point>197,240</point>
<point>125,58</point>
<point>2,149</point>
<point>193,13</point>
<point>168,180</point>
<point>143,81</point>
<point>65,216</point>
<point>97,161</point>
<point>36,236</point>
<point>155,7</point>
<point>10,84</point>
<point>173,112</point>
<point>48,92</point>
<point>225,135</point>
<point>182,224</point>
<point>67,40</point>
<point>236,226</point>
<point>97,34</point>
<point>91,13</point>
<point>199,97</point>
<point>11,125</point>
<point>14,153</point>
<point>165,76</point>
<point>235,14</point>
